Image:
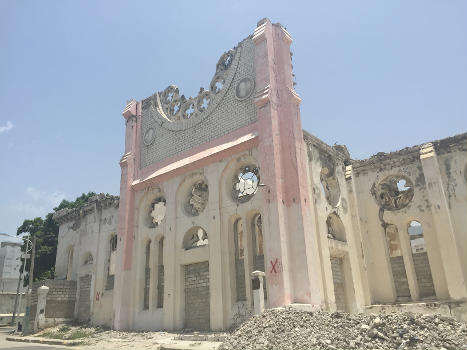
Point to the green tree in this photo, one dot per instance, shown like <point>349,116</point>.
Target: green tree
<point>46,233</point>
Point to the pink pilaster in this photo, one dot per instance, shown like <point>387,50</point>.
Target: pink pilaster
<point>289,244</point>
<point>128,164</point>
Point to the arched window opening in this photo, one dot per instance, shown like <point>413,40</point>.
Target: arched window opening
<point>417,242</point>
<point>258,236</point>
<point>335,228</point>
<point>160,274</point>
<point>239,261</point>
<point>239,239</point>
<point>194,238</point>
<point>157,211</point>
<point>420,259</point>
<point>70,264</point>
<point>394,192</point>
<point>330,185</point>
<point>88,259</point>
<point>147,276</point>
<point>399,274</point>
<point>258,249</point>
<point>112,257</point>
<point>245,183</point>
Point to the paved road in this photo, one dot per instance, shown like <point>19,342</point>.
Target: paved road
<point>5,344</point>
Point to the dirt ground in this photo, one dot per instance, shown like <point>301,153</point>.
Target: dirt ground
<point>102,339</point>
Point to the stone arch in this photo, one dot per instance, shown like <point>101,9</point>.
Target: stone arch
<point>335,227</point>
<point>420,259</point>
<point>195,237</point>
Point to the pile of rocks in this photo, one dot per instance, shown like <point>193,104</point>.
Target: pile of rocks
<point>293,329</point>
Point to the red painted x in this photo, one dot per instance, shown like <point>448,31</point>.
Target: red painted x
<point>274,266</point>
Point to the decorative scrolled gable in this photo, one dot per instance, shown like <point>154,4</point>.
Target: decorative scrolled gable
<point>172,123</point>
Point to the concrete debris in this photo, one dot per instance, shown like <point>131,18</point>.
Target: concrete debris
<point>294,329</point>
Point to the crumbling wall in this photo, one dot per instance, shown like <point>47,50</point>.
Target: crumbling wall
<point>391,192</point>
<point>342,274</point>
<point>453,166</point>
<point>87,230</point>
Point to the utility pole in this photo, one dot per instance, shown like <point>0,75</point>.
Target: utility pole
<point>27,314</point>
<point>20,279</point>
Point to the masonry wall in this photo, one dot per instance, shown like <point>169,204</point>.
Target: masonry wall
<point>197,298</point>
<point>60,301</point>
<point>384,285</point>
<point>333,198</point>
<point>7,303</point>
<point>218,220</point>
<point>89,236</point>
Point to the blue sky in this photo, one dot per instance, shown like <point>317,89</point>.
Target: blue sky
<point>374,75</point>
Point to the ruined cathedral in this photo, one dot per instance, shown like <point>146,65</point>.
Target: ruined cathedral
<point>216,186</point>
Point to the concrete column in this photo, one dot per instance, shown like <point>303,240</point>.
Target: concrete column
<point>215,258</point>
<point>442,223</point>
<point>359,269</point>
<point>406,250</point>
<point>258,291</point>
<point>123,274</point>
<point>291,252</point>
<point>170,263</point>
<point>39,321</point>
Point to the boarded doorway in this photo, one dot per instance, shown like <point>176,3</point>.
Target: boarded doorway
<point>338,281</point>
<point>197,307</point>
<point>84,302</point>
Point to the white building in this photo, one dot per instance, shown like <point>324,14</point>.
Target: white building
<point>10,263</point>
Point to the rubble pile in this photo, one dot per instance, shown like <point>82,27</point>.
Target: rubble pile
<point>294,329</point>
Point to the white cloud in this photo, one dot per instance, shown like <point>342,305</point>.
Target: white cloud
<point>6,128</point>
<point>30,210</point>
<point>40,202</point>
<point>53,198</point>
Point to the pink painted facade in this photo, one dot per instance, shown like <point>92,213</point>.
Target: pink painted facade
<point>285,206</point>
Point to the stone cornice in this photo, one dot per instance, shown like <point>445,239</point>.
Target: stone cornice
<point>260,31</point>
<point>262,96</point>
<point>97,202</point>
<point>410,155</point>
<point>311,140</point>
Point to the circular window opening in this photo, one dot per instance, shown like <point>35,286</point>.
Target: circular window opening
<point>244,88</point>
<point>245,184</point>
<point>335,228</point>
<point>194,238</point>
<point>157,211</point>
<point>330,186</point>
<point>394,192</point>
<point>198,198</point>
